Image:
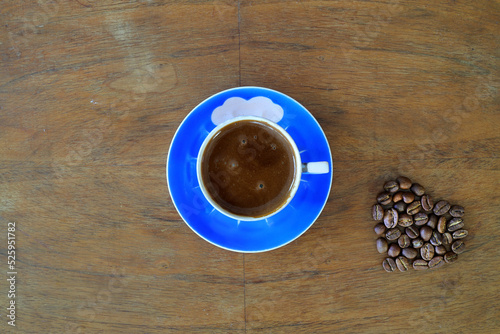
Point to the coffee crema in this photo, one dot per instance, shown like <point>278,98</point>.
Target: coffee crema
<point>248,168</point>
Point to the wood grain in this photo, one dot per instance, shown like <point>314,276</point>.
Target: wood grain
<point>91,93</point>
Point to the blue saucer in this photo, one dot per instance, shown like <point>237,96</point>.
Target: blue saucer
<point>248,236</point>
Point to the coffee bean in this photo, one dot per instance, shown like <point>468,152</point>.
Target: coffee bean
<point>394,250</point>
<point>458,247</point>
<point>402,263</point>
<point>417,243</point>
<point>391,186</point>
<point>408,197</point>
<point>410,253</point>
<point>377,212</point>
<point>417,189</point>
<point>400,206</point>
<point>420,265</point>
<point>404,182</point>
<point>420,219</point>
<point>436,239</point>
<point>436,262</point>
<point>432,221</point>
<point>414,208</point>
<point>450,257</point>
<point>379,229</point>
<point>384,198</point>
<point>455,224</point>
<point>382,245</point>
<point>426,233</point>
<point>412,232</point>
<point>427,203</point>
<point>389,265</point>
<point>441,208</point>
<point>440,250</point>
<point>429,238</point>
<point>447,239</point>
<point>404,241</point>
<point>441,224</point>
<point>427,251</point>
<point>457,211</point>
<point>393,234</point>
<point>397,197</point>
<point>405,220</point>
<point>391,218</point>
<point>460,234</point>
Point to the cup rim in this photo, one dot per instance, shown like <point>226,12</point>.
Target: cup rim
<point>298,167</point>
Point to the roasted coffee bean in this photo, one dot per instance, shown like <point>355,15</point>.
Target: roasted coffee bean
<point>458,247</point>
<point>382,245</point>
<point>417,189</point>
<point>426,233</point>
<point>410,253</point>
<point>450,257</point>
<point>393,250</point>
<point>391,186</point>
<point>417,243</point>
<point>460,234</point>
<point>447,239</point>
<point>436,239</point>
<point>397,197</point>
<point>377,212</point>
<point>408,197</point>
<point>457,211</point>
<point>384,198</point>
<point>404,182</point>
<point>420,219</point>
<point>420,265</point>
<point>405,220</point>
<point>430,239</point>
<point>379,229</point>
<point>427,251</point>
<point>440,250</point>
<point>404,241</point>
<point>455,224</point>
<point>400,206</point>
<point>392,234</point>
<point>441,224</point>
<point>436,262</point>
<point>441,208</point>
<point>432,222</point>
<point>402,263</point>
<point>412,232</point>
<point>391,218</point>
<point>427,203</point>
<point>389,265</point>
<point>414,208</point>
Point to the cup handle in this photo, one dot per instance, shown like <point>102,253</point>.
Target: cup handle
<point>320,167</point>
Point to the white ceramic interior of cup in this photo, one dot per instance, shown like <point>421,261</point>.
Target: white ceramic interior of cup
<point>298,166</point>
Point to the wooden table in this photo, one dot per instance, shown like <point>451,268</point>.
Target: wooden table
<point>91,93</point>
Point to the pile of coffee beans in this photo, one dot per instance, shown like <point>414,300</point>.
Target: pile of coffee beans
<point>413,230</point>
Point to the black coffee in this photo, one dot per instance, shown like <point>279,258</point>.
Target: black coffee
<point>248,168</point>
